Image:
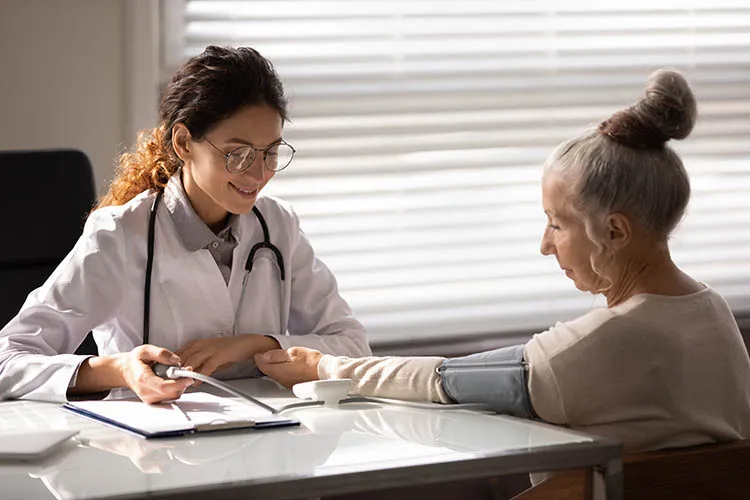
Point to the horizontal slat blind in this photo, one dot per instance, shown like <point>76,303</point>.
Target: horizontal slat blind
<point>421,128</point>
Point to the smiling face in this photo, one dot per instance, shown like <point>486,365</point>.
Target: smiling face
<point>213,191</point>
<point>565,237</point>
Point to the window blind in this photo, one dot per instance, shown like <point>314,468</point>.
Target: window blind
<point>421,128</point>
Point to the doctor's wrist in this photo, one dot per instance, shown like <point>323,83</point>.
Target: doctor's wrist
<point>260,344</point>
<point>99,373</point>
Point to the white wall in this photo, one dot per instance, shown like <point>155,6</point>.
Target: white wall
<point>62,77</point>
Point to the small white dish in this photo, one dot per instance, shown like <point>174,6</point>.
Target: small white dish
<point>328,391</point>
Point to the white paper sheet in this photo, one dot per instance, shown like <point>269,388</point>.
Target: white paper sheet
<point>198,410</point>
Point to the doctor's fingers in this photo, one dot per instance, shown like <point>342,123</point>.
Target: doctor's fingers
<point>198,360</point>
<point>206,367</point>
<point>273,356</point>
<point>152,388</point>
<point>151,353</point>
<point>163,390</point>
<point>193,348</point>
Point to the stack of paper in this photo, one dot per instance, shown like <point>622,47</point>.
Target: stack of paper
<point>193,412</point>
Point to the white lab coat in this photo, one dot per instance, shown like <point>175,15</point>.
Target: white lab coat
<point>99,286</point>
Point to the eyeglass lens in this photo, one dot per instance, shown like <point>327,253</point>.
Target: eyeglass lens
<point>277,158</point>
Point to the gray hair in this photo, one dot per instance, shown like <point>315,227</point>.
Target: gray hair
<point>626,166</point>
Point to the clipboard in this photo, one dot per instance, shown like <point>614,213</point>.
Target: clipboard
<point>192,413</point>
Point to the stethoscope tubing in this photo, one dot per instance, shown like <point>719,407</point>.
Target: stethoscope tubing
<point>174,372</point>
<point>265,244</point>
<point>389,402</point>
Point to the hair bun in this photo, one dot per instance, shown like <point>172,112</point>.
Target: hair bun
<point>666,111</point>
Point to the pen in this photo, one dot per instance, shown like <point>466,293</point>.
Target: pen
<point>175,406</point>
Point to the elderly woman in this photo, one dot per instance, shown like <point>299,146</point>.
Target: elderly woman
<point>663,365</point>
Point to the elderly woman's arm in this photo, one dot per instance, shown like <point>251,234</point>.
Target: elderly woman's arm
<point>496,378</point>
<point>409,378</point>
<point>414,378</point>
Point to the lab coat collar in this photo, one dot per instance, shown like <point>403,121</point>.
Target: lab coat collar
<point>193,232</point>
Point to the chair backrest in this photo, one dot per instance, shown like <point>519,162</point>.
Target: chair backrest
<point>708,471</point>
<point>45,196</point>
<point>694,473</point>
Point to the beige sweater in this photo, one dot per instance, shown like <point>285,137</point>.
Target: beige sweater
<point>653,372</point>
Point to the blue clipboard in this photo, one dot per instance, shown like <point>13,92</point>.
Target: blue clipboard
<point>192,413</point>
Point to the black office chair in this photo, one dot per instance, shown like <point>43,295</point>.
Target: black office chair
<point>45,196</point>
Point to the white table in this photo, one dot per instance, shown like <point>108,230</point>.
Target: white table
<point>354,448</point>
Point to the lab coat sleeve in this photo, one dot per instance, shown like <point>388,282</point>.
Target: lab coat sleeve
<point>319,318</point>
<point>36,346</point>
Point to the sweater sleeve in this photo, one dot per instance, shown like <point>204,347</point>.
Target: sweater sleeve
<point>543,389</point>
<point>408,378</point>
<point>572,341</point>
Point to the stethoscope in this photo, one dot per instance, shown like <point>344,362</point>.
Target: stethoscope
<point>265,244</point>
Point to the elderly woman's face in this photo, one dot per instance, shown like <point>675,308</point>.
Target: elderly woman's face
<point>565,237</point>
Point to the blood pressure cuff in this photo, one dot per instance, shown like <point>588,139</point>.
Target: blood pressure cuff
<point>497,378</point>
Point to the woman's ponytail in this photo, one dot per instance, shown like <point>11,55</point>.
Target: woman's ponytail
<point>148,166</point>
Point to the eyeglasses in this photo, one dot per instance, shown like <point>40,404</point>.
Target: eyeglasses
<point>276,157</point>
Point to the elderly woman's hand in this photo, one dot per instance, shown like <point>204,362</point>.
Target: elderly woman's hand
<point>291,366</point>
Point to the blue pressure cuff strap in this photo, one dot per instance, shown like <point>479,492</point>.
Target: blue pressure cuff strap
<point>497,378</point>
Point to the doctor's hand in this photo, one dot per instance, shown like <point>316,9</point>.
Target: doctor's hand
<point>293,366</point>
<point>209,355</point>
<point>136,372</point>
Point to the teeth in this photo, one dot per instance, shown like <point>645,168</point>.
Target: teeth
<point>246,191</point>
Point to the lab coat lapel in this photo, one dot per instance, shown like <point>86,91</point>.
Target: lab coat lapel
<point>194,288</point>
<point>260,308</point>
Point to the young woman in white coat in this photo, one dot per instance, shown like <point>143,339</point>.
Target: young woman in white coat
<point>189,191</point>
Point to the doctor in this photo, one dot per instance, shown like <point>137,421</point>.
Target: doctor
<point>182,261</point>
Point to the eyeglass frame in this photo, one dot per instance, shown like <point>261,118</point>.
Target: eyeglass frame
<point>255,152</point>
